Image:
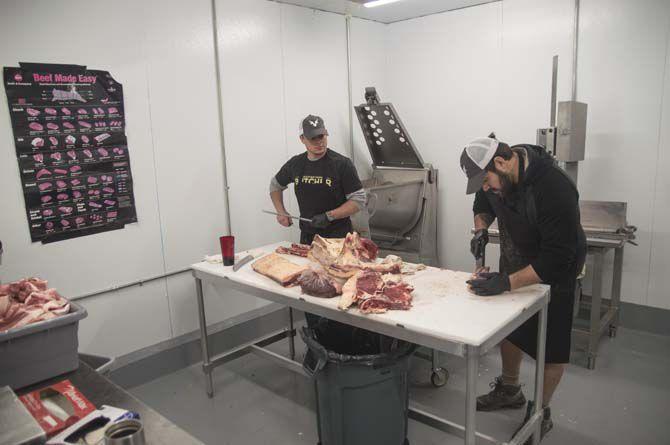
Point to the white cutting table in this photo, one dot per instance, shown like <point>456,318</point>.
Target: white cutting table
<point>444,316</point>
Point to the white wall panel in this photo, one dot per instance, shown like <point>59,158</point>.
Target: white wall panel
<point>660,245</point>
<point>368,69</point>
<point>621,62</point>
<point>315,73</point>
<point>441,77</point>
<point>533,31</point>
<point>125,320</point>
<point>94,262</point>
<point>252,85</point>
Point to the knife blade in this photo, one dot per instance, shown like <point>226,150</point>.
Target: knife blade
<point>242,262</point>
<point>290,216</point>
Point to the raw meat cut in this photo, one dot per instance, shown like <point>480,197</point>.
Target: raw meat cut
<point>70,139</point>
<point>75,169</point>
<point>342,258</point>
<point>53,140</point>
<point>46,199</point>
<point>279,269</point>
<point>60,171</point>
<point>65,210</point>
<point>82,111</point>
<point>109,202</point>
<point>72,154</point>
<point>102,137</point>
<point>88,153</point>
<point>76,194</point>
<point>35,126</point>
<point>103,152</point>
<point>111,190</point>
<point>85,139</point>
<point>56,156</point>
<point>376,293</point>
<point>295,249</point>
<point>92,180</point>
<point>79,220</point>
<point>68,125</point>
<point>112,110</point>
<point>43,172</point>
<point>37,142</point>
<point>45,186</point>
<point>94,204</point>
<point>84,124</point>
<point>47,212</point>
<point>51,111</point>
<point>38,158</point>
<point>75,182</point>
<point>62,196</point>
<point>52,126</point>
<point>61,184</point>
<point>318,284</point>
<point>32,112</point>
<point>66,111</point>
<point>65,223</point>
<point>112,214</point>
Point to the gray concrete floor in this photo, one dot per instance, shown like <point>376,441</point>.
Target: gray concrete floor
<point>625,400</point>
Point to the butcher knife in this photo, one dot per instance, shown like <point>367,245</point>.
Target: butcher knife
<point>290,216</point>
<point>242,262</point>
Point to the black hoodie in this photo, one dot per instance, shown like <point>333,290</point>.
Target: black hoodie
<point>552,207</point>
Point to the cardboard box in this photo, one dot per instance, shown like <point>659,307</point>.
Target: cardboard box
<point>57,406</point>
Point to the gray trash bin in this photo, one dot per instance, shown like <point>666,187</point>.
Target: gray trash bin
<point>361,399</point>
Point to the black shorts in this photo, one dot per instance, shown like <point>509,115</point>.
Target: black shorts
<point>559,326</point>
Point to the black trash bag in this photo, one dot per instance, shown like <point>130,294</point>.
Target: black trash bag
<point>378,350</point>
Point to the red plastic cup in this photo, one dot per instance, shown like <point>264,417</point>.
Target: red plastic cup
<point>228,250</point>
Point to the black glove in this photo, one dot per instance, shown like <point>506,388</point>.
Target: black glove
<point>478,243</point>
<point>490,283</point>
<point>320,221</point>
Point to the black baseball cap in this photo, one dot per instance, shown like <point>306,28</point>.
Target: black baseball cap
<point>474,159</point>
<point>312,126</point>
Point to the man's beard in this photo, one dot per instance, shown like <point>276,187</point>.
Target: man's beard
<point>507,186</point>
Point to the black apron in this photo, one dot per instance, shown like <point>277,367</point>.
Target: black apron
<point>519,246</point>
<point>329,197</point>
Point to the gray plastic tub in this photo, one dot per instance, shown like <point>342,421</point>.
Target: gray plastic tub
<point>40,350</point>
<point>361,399</point>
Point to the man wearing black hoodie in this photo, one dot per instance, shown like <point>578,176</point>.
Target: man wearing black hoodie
<point>541,241</point>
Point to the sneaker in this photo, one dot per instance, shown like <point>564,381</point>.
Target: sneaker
<point>547,423</point>
<point>502,396</point>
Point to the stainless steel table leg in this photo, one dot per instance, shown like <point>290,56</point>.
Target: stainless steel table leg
<point>204,344</point>
<point>471,395</point>
<point>616,290</point>
<point>539,371</point>
<point>596,300</point>
<point>291,338</point>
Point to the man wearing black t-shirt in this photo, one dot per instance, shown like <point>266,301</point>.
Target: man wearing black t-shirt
<point>326,185</point>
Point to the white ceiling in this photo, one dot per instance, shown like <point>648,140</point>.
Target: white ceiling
<point>393,12</point>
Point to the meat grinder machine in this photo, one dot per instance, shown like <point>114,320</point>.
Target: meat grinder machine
<point>402,192</point>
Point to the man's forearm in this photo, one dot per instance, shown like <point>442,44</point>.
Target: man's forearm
<point>524,277</point>
<point>483,220</point>
<point>347,209</point>
<point>278,201</point>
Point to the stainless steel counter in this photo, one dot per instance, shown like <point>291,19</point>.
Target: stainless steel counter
<point>101,391</point>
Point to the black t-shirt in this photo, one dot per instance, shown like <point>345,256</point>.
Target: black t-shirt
<point>320,185</point>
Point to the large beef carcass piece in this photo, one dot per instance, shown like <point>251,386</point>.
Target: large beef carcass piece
<point>296,249</point>
<point>342,258</point>
<point>319,284</point>
<point>374,292</point>
<point>28,301</point>
<point>279,269</point>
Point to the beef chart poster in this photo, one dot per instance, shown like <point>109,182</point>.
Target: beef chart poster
<point>71,148</point>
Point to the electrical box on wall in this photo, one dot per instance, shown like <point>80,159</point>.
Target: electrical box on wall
<point>571,134</point>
